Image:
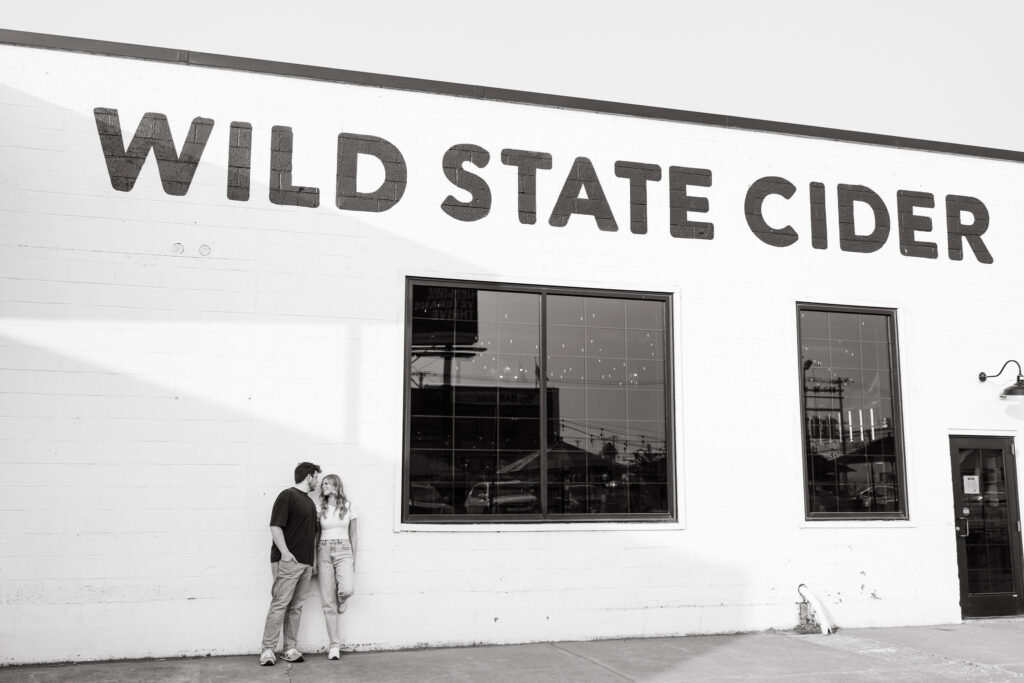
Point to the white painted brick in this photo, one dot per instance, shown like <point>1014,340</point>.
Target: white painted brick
<point>32,521</point>
<point>49,118</point>
<point>41,475</point>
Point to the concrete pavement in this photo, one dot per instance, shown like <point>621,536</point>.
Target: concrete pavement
<point>978,650</point>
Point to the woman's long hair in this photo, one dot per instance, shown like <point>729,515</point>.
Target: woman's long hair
<point>343,502</point>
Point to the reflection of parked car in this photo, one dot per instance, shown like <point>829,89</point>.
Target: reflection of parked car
<point>833,498</point>
<point>424,499</point>
<point>585,498</point>
<point>879,497</point>
<point>501,497</point>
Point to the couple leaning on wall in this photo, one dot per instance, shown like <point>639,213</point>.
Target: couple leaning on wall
<point>312,536</point>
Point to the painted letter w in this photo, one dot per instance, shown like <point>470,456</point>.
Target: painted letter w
<point>153,133</point>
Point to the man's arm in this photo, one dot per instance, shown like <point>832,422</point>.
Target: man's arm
<point>277,533</point>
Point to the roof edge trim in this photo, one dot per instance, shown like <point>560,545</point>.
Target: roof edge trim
<point>160,54</point>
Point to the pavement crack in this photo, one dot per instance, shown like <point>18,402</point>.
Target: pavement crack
<point>593,661</point>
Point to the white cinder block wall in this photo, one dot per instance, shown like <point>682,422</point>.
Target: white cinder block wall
<point>165,361</point>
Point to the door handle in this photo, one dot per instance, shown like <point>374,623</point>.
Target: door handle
<point>966,528</point>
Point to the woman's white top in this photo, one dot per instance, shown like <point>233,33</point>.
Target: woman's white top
<point>334,528</point>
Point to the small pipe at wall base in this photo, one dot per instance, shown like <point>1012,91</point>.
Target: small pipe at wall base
<point>825,623</point>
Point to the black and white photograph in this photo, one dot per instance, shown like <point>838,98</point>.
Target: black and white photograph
<point>466,341</point>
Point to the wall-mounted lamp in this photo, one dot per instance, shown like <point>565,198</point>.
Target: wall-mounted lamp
<point>1015,389</point>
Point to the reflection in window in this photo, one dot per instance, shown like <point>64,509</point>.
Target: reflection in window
<point>852,443</point>
<point>989,553</point>
<point>536,404</point>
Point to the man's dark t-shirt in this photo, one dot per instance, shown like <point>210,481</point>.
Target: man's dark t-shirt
<point>295,513</point>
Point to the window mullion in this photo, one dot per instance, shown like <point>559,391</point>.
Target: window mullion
<point>543,388</point>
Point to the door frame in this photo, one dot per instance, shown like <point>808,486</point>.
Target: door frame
<point>1007,445</point>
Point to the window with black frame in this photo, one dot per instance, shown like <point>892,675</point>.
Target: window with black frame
<point>851,413</point>
<point>536,404</point>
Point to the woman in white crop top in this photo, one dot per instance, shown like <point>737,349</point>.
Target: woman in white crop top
<point>336,555</point>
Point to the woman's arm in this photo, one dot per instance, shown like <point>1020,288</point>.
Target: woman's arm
<point>352,540</point>
<point>316,551</point>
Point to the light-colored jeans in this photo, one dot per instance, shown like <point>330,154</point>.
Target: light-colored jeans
<point>336,579</point>
<point>291,581</point>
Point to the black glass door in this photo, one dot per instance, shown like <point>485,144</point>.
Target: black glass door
<point>987,525</point>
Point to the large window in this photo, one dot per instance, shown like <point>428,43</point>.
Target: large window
<point>853,451</point>
<point>536,404</point>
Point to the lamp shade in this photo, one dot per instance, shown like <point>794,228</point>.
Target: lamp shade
<point>1015,390</point>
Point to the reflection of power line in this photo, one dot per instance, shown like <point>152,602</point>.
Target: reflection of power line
<point>602,425</point>
<point>607,433</point>
<point>446,351</point>
<point>511,353</point>
<point>555,384</point>
<point>635,436</point>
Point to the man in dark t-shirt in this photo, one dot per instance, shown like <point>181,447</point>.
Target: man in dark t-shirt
<point>293,527</point>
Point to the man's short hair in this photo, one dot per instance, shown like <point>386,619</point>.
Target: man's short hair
<point>304,469</point>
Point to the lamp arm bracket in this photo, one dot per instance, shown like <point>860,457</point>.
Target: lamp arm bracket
<point>982,376</point>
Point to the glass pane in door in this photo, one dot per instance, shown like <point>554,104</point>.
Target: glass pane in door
<point>983,503</point>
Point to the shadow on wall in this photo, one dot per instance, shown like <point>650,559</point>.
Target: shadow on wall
<point>135,524</point>
<point>168,360</point>
<point>135,511</point>
<point>1014,409</point>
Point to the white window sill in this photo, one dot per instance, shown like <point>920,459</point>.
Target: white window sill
<point>541,527</point>
<point>858,524</point>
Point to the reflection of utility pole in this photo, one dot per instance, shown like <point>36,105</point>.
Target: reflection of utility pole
<point>835,386</point>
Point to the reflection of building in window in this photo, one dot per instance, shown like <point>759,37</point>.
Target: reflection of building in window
<point>852,444</point>
<point>536,403</point>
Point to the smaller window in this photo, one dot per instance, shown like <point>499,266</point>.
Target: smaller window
<point>853,445</point>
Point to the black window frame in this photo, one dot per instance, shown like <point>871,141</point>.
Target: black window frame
<point>542,517</point>
<point>902,514</point>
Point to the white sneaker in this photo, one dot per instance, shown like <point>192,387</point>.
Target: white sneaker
<point>334,652</point>
<point>268,658</point>
<point>293,656</point>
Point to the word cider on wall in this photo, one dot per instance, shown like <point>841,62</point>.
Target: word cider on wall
<point>582,192</point>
